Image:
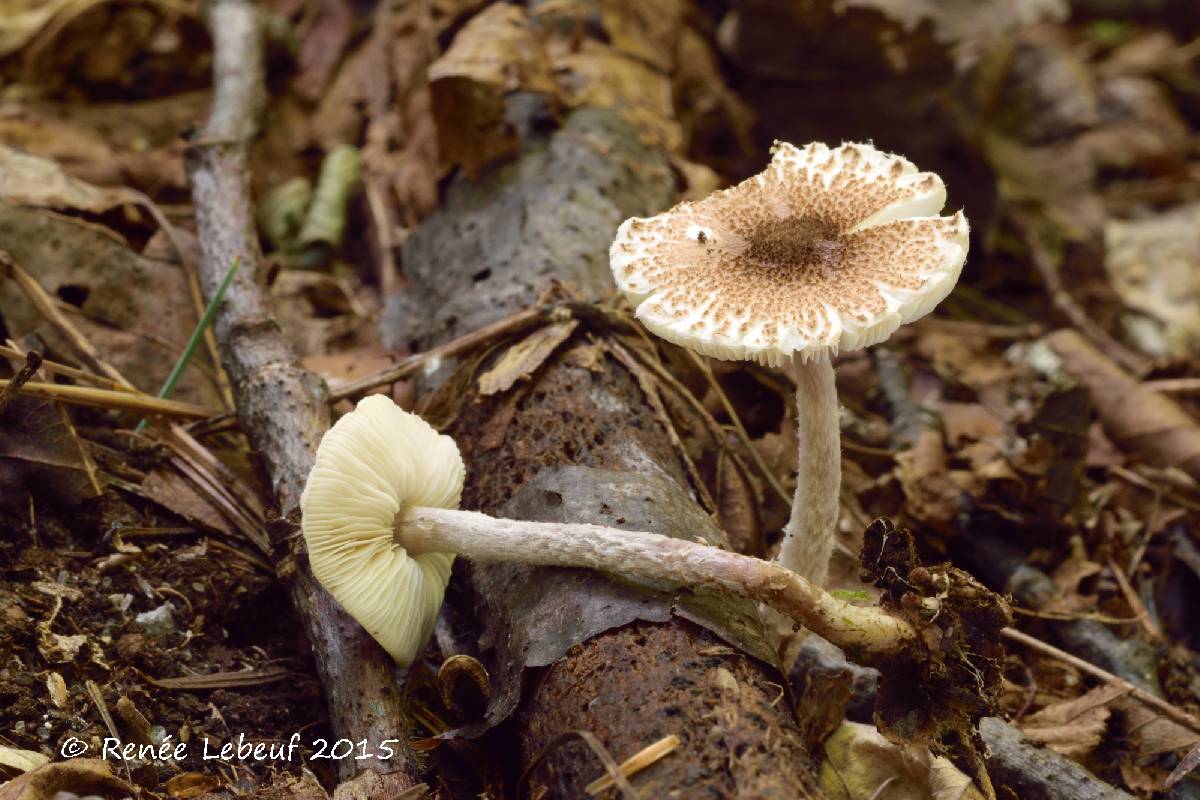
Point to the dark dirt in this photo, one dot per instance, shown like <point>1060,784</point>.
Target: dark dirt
<point>227,615</point>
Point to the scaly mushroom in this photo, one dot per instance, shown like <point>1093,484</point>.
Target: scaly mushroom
<point>825,250</point>
<point>379,519</point>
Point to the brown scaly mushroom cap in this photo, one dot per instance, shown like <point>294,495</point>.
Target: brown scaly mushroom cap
<point>825,250</point>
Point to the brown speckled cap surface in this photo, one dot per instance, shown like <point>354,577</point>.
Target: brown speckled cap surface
<point>825,250</point>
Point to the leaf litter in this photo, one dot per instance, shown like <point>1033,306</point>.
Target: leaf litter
<point>1026,408</point>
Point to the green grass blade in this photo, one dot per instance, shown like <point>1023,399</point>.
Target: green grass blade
<point>206,318</point>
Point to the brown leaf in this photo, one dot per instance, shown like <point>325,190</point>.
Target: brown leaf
<point>523,359</point>
<point>1073,727</point>
<point>39,454</point>
<point>33,181</point>
<point>860,763</point>
<point>81,776</point>
<point>968,421</point>
<point>495,53</point>
<point>1154,267</point>
<point>322,47</point>
<point>117,296</point>
<point>737,507</point>
<point>594,74</point>
<point>191,784</point>
<point>932,496</point>
<point>1134,417</point>
<point>171,491</point>
<point>14,761</point>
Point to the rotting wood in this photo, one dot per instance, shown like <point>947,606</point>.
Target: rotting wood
<point>582,443</point>
<point>281,406</point>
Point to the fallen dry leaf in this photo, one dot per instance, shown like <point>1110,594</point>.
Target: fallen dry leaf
<point>523,359</point>
<point>1154,264</point>
<point>1073,727</point>
<point>191,784</point>
<point>496,52</point>
<point>106,290</point>
<point>932,496</point>
<point>81,776</point>
<point>738,507</point>
<point>14,761</point>
<point>1134,417</point>
<point>33,181</point>
<point>859,763</point>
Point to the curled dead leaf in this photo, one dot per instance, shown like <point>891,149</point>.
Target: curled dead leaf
<point>1073,727</point>
<point>1134,417</point>
<point>860,762</point>
<point>523,359</point>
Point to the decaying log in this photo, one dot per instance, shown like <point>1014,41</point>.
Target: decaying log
<point>572,650</point>
<point>281,406</point>
<point>1038,773</point>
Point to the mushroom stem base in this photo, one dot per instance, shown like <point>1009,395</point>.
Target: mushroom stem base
<point>652,557</point>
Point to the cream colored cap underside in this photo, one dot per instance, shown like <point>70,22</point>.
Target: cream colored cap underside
<point>880,257</point>
<point>371,462</point>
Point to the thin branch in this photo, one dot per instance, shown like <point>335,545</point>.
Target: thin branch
<point>110,398</point>
<point>282,407</point>
<point>11,388</point>
<point>1169,711</point>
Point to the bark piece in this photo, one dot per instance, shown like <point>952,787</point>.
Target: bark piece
<point>1036,773</point>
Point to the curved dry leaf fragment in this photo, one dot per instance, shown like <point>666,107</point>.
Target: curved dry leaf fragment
<point>1134,417</point>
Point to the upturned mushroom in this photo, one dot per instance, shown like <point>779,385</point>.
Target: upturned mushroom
<point>825,250</point>
<point>379,519</point>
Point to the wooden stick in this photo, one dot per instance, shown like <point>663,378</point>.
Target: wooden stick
<point>110,398</point>
<point>13,387</point>
<point>282,407</point>
<point>636,762</point>
<point>56,368</point>
<point>1141,695</point>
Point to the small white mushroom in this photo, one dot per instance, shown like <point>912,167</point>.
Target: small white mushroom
<point>381,526</point>
<point>825,250</point>
<point>372,463</point>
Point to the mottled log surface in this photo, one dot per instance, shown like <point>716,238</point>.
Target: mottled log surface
<point>572,650</point>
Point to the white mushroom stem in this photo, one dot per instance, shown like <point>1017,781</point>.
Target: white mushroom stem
<point>650,556</point>
<point>809,535</point>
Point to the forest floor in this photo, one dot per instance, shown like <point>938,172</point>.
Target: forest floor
<point>1040,426</point>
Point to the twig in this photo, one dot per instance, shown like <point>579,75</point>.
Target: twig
<point>282,407</point>
<point>55,368</point>
<point>636,762</point>
<point>11,388</point>
<point>1174,385</point>
<point>110,398</point>
<point>46,307</point>
<point>1169,711</point>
